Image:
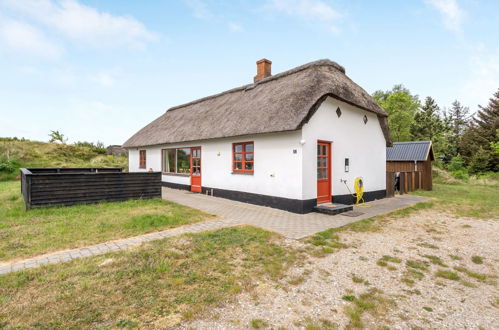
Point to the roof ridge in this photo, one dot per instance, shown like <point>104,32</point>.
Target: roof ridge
<point>321,62</point>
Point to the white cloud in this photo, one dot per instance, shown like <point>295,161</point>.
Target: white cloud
<point>199,8</point>
<point>452,14</point>
<point>309,10</point>
<point>235,27</point>
<point>483,79</point>
<point>83,24</point>
<point>22,37</point>
<point>104,79</point>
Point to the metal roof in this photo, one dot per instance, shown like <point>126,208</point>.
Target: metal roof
<point>410,151</point>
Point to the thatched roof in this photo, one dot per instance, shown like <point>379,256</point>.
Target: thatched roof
<point>282,102</point>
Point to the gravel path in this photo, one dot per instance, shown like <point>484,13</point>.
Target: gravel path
<point>312,293</point>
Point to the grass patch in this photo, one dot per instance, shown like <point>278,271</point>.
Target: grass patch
<point>325,242</point>
<point>321,324</point>
<point>408,281</point>
<point>38,231</point>
<point>372,302</point>
<point>391,259</point>
<point>381,263</point>
<point>357,279</point>
<point>435,260</point>
<point>477,276</point>
<point>466,199</point>
<point>258,324</point>
<point>156,285</point>
<point>477,259</point>
<point>417,264</point>
<point>447,274</point>
<point>428,309</point>
<point>454,257</point>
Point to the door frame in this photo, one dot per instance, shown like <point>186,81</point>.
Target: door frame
<point>329,178</point>
<point>196,188</point>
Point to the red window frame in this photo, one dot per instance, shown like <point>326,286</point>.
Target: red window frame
<point>243,160</point>
<point>142,158</point>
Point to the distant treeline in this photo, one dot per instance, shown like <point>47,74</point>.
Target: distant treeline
<point>463,143</point>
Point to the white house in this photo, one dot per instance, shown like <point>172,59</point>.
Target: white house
<point>291,140</point>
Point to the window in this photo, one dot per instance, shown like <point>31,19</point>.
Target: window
<point>168,161</point>
<point>142,159</point>
<point>184,160</point>
<point>243,157</point>
<point>176,160</point>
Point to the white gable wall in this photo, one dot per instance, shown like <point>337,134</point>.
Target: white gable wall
<point>363,144</point>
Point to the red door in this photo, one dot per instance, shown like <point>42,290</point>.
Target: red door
<point>196,169</point>
<point>323,172</point>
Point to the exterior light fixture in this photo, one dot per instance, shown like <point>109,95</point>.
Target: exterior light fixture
<point>347,165</point>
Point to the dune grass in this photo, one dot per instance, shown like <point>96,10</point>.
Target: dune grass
<point>37,231</point>
<point>16,153</point>
<point>153,286</point>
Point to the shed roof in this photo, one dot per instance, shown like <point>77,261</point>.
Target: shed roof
<point>282,102</point>
<point>410,151</point>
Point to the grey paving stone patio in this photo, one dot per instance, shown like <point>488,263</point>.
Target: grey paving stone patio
<point>231,213</point>
<point>290,225</point>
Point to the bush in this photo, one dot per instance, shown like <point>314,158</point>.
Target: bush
<point>461,174</point>
<point>480,162</point>
<point>456,164</point>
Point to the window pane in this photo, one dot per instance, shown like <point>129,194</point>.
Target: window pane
<point>238,148</point>
<point>319,174</point>
<point>168,161</point>
<point>248,166</point>
<point>238,157</point>
<point>249,147</point>
<point>318,149</point>
<point>183,160</point>
<point>324,173</point>
<point>238,166</point>
<point>248,156</point>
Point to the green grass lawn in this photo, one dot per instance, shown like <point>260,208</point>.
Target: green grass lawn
<point>156,285</point>
<point>466,199</point>
<point>37,231</point>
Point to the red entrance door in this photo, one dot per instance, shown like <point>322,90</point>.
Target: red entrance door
<point>196,169</point>
<point>323,172</point>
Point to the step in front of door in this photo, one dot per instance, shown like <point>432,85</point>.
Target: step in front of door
<point>333,208</point>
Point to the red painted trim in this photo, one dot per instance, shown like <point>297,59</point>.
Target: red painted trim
<point>243,154</point>
<point>197,188</point>
<point>329,156</point>
<point>142,158</point>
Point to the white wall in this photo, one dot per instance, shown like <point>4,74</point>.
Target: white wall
<point>277,170</point>
<point>363,143</point>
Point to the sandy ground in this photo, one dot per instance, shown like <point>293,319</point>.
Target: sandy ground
<point>313,291</point>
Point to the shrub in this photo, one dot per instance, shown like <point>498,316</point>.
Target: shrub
<point>456,164</point>
<point>461,175</point>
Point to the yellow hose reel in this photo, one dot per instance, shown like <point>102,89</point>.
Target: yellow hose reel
<point>359,190</point>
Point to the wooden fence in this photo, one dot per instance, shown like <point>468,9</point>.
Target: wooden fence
<point>68,186</point>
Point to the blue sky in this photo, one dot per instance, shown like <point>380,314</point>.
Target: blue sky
<point>101,70</point>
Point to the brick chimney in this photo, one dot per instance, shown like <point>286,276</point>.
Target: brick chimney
<point>262,69</point>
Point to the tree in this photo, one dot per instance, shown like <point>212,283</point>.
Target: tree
<point>401,107</point>
<point>482,134</point>
<point>428,125</point>
<point>56,136</point>
<point>456,118</point>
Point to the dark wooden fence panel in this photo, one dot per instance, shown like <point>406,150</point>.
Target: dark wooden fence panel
<point>390,184</point>
<point>49,187</point>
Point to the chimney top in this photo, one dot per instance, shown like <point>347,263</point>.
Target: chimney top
<point>263,69</point>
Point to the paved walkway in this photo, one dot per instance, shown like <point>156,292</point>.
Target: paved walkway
<point>290,225</point>
<point>120,244</point>
<point>232,213</point>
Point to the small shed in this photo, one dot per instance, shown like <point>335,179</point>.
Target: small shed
<point>412,161</point>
